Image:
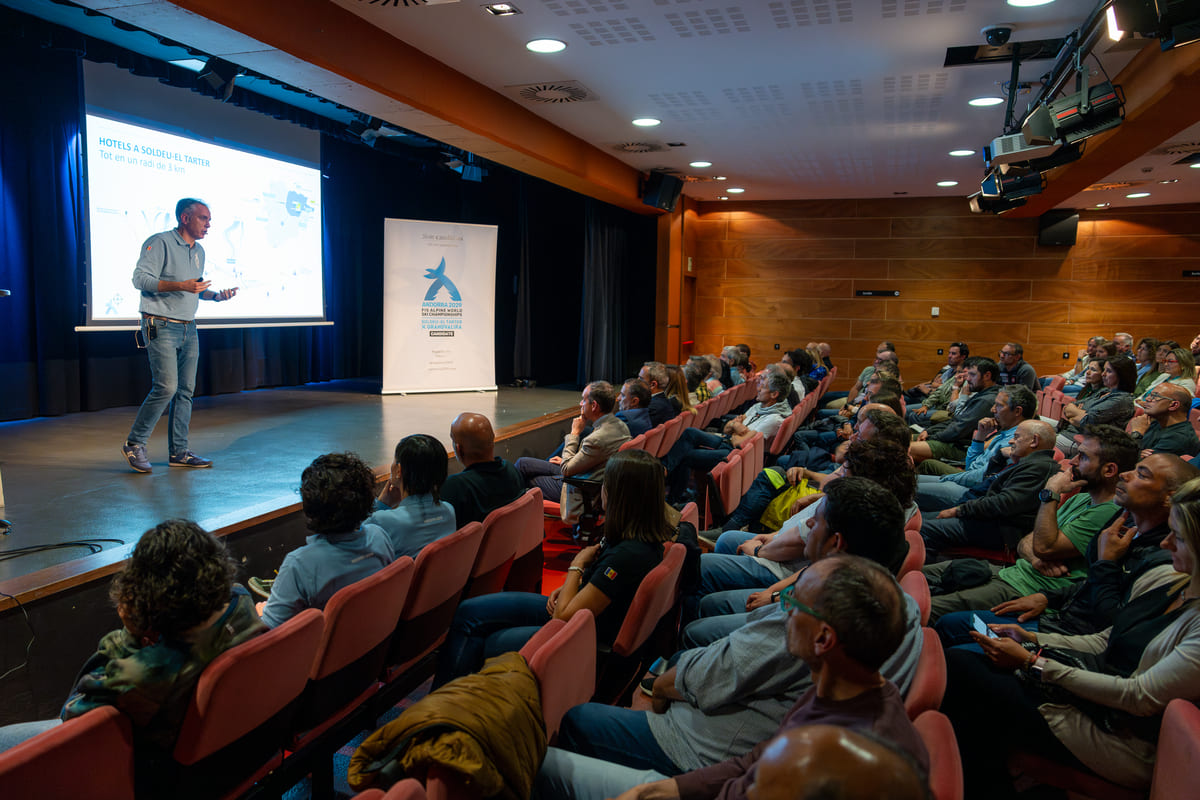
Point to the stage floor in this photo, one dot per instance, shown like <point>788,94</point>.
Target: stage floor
<point>65,479</point>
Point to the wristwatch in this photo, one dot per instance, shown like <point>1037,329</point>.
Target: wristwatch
<point>1037,668</point>
<point>1047,496</point>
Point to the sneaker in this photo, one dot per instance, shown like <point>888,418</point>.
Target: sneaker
<point>189,459</point>
<point>135,454</point>
<point>261,586</point>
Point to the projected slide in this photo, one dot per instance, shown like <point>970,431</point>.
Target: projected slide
<point>265,237</point>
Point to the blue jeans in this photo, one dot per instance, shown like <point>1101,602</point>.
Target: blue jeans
<point>15,734</point>
<point>729,541</point>
<point>718,573</point>
<point>709,629</point>
<point>689,453</point>
<point>487,626</point>
<point>542,474</point>
<point>619,735</point>
<point>173,353</point>
<point>954,628</point>
<point>570,776</point>
<point>936,495</point>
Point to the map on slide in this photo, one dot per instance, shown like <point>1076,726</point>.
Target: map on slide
<point>265,234</point>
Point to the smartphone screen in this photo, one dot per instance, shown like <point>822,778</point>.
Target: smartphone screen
<point>983,628</point>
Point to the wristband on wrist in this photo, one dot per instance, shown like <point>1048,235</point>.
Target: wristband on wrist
<point>573,568</point>
<point>759,547</point>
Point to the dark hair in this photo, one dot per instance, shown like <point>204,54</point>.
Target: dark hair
<point>890,427</point>
<point>888,346</point>
<point>1126,370</point>
<point>868,517</point>
<point>422,460</point>
<point>178,576</point>
<point>1150,342</point>
<point>605,397</point>
<point>963,350</point>
<point>985,366</point>
<point>636,387</point>
<point>337,491</point>
<point>886,463</point>
<point>691,374</point>
<point>1171,343</point>
<point>185,205</point>
<point>865,607</point>
<point>802,362</point>
<point>1019,396</point>
<point>745,348</point>
<point>887,383</point>
<point>889,399</point>
<point>1108,348</point>
<point>636,498</point>
<point>1017,347</point>
<point>1116,446</point>
<point>702,365</point>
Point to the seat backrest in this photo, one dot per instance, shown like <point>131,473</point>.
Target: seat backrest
<point>1178,752</point>
<point>531,538</point>
<point>411,789</point>
<point>503,531</point>
<point>914,522</point>
<point>654,598</point>
<point>1056,383</point>
<point>945,764</point>
<point>360,616</point>
<point>675,429</point>
<point>691,513</point>
<point>916,586</point>
<point>565,665</point>
<point>654,438</point>
<point>929,680</point>
<point>442,569</point>
<point>749,459</point>
<point>247,685</point>
<point>727,480</point>
<point>636,443</point>
<point>89,756</point>
<point>916,552</point>
<point>787,430</point>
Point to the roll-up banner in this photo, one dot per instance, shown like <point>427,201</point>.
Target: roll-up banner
<point>439,290</point>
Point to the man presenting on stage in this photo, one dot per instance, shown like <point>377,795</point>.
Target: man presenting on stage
<point>169,275</point>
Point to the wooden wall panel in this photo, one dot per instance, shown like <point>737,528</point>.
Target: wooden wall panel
<point>784,273</point>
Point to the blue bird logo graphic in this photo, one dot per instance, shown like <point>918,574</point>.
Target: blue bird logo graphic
<point>438,276</point>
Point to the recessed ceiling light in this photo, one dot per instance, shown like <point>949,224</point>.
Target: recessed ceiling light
<point>722,197</point>
<point>1194,166</point>
<point>983,102</point>
<point>1170,180</point>
<point>947,183</point>
<point>647,122</point>
<point>700,164</point>
<point>194,64</point>
<point>723,178</point>
<point>1103,205</point>
<point>545,46</point>
<point>1137,195</point>
<point>961,153</point>
<point>735,190</point>
<point>501,9</point>
<point>1028,3</point>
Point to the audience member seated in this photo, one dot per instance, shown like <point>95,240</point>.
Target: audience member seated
<point>487,482</point>
<point>336,492</point>
<point>1089,702</point>
<point>802,361</point>
<point>1111,405</point>
<point>602,578</point>
<point>584,456</point>
<point>935,406</point>
<point>1124,343</point>
<point>410,509</point>
<point>1164,428</point>
<point>717,367</point>
<point>1014,368</point>
<point>1124,562</point>
<point>661,407</point>
<point>732,361</point>
<point>1144,360</point>
<point>847,620</point>
<point>746,562</point>
<point>835,400</point>
<point>1053,555</point>
<point>677,390</point>
<point>697,449</point>
<point>873,421</point>
<point>1154,375</point>
<point>1093,379</point>
<point>1003,506</point>
<point>956,354</point>
<point>794,395</point>
<point>633,406</point>
<point>823,353</point>
<point>948,441</point>
<point>941,485</point>
<point>696,372</point>
<point>1178,368</point>
<point>180,609</point>
<point>1074,377</point>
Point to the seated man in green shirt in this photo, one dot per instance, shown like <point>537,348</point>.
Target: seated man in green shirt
<point>1053,554</point>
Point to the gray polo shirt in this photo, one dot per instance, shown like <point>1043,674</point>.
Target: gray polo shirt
<point>167,257</point>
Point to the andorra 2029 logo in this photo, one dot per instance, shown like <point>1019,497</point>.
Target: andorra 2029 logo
<point>441,316</point>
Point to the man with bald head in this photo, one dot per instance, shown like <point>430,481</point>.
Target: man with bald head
<point>1164,428</point>
<point>486,481</point>
<point>828,762</point>
<point>1002,508</point>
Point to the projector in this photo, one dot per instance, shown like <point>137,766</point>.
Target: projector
<point>1014,150</point>
<point>1066,121</point>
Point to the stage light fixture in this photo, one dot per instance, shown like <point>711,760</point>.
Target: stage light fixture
<point>365,128</point>
<point>1075,117</point>
<point>1013,185</point>
<point>220,75</point>
<point>979,204</point>
<point>1058,158</point>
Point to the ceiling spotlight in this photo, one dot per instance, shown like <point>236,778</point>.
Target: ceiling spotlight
<point>700,164</point>
<point>1103,205</point>
<point>962,153</point>
<point>502,9</point>
<point>1191,166</point>
<point>1028,3</point>
<point>647,122</point>
<point>984,102</point>
<point>723,178</point>
<point>735,190</point>
<point>722,197</point>
<point>1170,180</point>
<point>1137,195</point>
<point>545,46</point>
<point>947,183</point>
